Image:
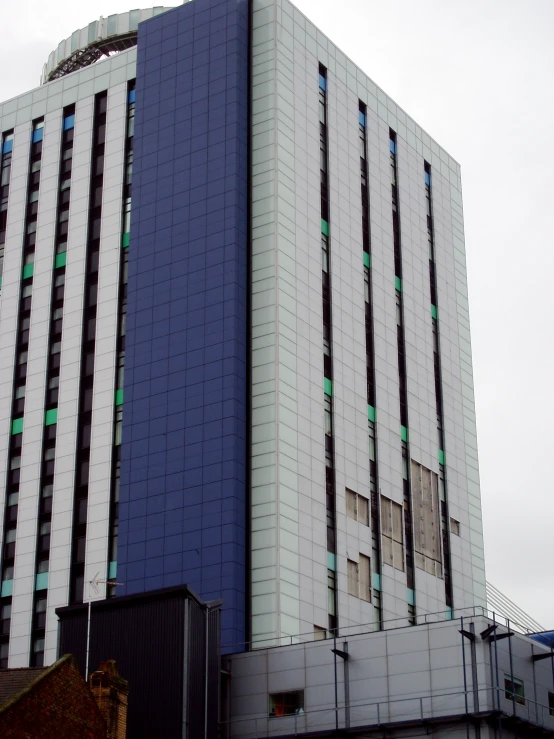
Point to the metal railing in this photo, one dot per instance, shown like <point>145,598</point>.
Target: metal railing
<point>285,640</point>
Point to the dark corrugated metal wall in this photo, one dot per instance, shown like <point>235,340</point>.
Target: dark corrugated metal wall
<point>147,642</point>
<point>72,636</point>
<point>214,671</point>
<point>197,681</point>
<point>145,634</point>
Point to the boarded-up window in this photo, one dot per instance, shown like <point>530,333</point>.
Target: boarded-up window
<point>426,512</point>
<point>320,633</point>
<point>364,569</point>
<point>351,505</point>
<point>363,510</point>
<point>353,578</point>
<point>357,507</point>
<point>392,533</point>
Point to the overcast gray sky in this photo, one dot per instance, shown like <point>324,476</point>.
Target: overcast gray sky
<point>477,76</point>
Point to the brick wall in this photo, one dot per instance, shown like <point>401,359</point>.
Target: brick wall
<point>60,706</point>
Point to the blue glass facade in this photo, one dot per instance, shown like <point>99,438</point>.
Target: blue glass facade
<point>183,481</point>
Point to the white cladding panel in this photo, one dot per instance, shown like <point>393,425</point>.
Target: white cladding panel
<point>288,457</point>
<point>49,101</point>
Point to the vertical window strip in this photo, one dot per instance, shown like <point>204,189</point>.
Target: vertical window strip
<point>330,492</point>
<point>443,494</point>
<point>44,516</point>
<point>5,171</point>
<point>19,381</point>
<point>370,368</point>
<point>120,358</point>
<point>402,383</point>
<point>86,385</point>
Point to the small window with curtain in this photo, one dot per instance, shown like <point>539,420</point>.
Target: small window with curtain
<point>286,704</point>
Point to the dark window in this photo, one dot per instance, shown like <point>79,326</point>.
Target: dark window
<point>514,689</point>
<point>286,704</point>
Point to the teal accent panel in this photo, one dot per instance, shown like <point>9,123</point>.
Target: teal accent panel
<point>367,260</point>
<point>119,397</point>
<point>28,270</point>
<point>434,311</point>
<point>398,284</point>
<point>404,433</point>
<point>441,456</point>
<point>61,260</point>
<point>376,581</point>
<point>41,581</point>
<point>327,387</point>
<point>17,426</point>
<point>125,240</point>
<point>331,564</point>
<point>371,413</point>
<point>324,227</point>
<point>51,417</point>
<point>448,613</point>
<point>411,597</point>
<point>112,570</point>
<point>7,588</point>
<point>0,282</point>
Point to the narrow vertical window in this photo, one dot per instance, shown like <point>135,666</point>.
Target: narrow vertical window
<point>21,356</point>
<point>370,362</point>
<point>88,346</point>
<point>120,356</point>
<point>402,383</point>
<point>330,496</point>
<point>42,561</point>
<point>5,171</point>
<point>438,390</point>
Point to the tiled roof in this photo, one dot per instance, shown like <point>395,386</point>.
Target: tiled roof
<point>13,681</point>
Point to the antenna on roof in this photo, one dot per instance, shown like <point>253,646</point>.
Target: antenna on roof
<point>94,585</point>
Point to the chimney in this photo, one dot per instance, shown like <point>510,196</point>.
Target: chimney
<point>110,692</point>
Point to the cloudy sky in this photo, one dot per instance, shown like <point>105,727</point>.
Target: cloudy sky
<point>477,76</point>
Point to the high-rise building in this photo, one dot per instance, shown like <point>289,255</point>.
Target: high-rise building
<point>234,335</point>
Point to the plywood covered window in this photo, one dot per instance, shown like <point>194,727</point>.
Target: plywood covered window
<point>353,578</point>
<point>357,507</point>
<point>392,533</point>
<point>359,578</point>
<point>426,512</point>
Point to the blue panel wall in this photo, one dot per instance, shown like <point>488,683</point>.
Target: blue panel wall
<point>182,501</point>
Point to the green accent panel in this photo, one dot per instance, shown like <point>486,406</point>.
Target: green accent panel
<point>327,387</point>
<point>0,282</point>
<point>119,397</point>
<point>28,271</point>
<point>112,570</point>
<point>404,433</point>
<point>448,613</point>
<point>61,260</point>
<point>7,588</point>
<point>41,582</point>
<point>371,413</point>
<point>331,565</point>
<point>398,284</point>
<point>376,581</point>
<point>367,260</point>
<point>51,417</point>
<point>411,597</point>
<point>125,240</point>
<point>17,426</point>
<point>324,227</point>
<point>434,312</point>
<point>441,456</point>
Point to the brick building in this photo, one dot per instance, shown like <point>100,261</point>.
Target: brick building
<point>55,703</point>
